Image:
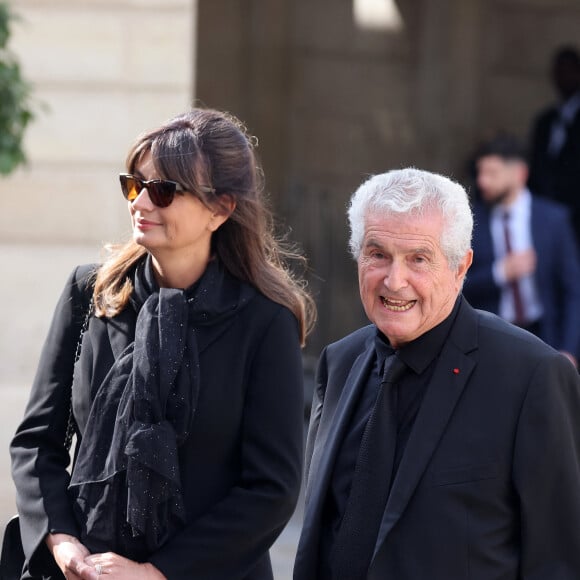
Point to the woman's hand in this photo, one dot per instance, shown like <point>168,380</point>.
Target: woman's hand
<point>70,555</point>
<point>111,566</point>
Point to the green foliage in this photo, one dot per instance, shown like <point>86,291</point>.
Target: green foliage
<point>15,104</point>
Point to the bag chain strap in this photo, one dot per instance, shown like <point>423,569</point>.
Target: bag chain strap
<point>70,427</point>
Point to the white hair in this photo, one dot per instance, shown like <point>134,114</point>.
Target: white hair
<point>413,191</point>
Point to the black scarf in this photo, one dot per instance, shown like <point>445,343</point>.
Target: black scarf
<point>126,484</point>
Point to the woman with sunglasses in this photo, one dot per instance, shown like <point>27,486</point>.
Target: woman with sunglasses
<point>187,390</point>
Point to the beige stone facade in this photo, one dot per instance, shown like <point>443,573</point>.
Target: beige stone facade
<point>103,71</point>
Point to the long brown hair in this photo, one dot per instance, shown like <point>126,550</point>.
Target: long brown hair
<point>210,153</point>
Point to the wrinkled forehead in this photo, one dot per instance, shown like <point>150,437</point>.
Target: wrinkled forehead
<point>413,223</point>
<point>419,215</point>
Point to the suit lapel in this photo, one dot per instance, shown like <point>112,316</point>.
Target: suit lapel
<point>121,331</point>
<point>483,233</point>
<point>443,392</point>
<point>539,236</point>
<point>330,435</point>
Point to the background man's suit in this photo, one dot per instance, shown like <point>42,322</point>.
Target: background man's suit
<point>557,274</point>
<point>488,483</point>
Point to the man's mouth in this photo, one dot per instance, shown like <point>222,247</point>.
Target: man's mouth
<point>397,305</point>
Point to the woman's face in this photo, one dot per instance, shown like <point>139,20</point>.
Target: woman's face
<point>182,229</point>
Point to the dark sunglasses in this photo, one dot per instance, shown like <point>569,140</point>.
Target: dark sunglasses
<point>161,191</point>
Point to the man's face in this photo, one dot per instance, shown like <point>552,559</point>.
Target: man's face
<point>406,284</point>
<point>496,178</point>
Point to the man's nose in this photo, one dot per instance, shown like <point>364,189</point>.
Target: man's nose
<point>395,277</point>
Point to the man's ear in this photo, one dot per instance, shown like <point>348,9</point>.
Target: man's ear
<point>222,210</point>
<point>522,172</point>
<point>464,265</point>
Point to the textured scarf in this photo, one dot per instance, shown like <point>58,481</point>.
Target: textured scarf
<point>126,483</point>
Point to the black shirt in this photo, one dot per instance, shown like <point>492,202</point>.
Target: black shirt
<point>420,357</point>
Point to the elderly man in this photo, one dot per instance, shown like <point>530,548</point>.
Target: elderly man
<point>444,442</point>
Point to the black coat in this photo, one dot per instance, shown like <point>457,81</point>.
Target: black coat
<point>240,466</point>
<point>489,482</point>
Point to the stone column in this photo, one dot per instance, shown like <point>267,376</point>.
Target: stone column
<point>243,67</point>
<point>448,82</point>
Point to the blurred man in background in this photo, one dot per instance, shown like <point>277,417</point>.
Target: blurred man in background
<point>526,266</point>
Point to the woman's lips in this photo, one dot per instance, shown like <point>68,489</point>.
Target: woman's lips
<point>145,224</point>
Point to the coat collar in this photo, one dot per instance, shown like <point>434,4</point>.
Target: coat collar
<point>215,301</point>
<point>332,429</point>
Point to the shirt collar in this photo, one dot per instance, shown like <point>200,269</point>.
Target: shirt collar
<point>422,351</point>
<point>521,204</point>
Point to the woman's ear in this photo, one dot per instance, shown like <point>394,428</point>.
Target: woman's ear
<point>224,207</point>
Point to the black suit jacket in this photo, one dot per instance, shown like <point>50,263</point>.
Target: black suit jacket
<point>489,484</point>
<point>241,466</point>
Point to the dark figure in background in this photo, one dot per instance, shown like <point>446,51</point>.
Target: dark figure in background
<point>555,140</point>
<point>526,266</point>
<point>187,394</point>
<point>461,459</point>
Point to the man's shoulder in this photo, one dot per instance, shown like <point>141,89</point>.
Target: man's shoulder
<point>516,357</point>
<point>352,343</point>
<point>508,340</point>
<point>481,212</point>
<point>546,116</point>
<point>550,207</point>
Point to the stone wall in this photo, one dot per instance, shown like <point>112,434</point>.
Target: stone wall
<point>103,71</point>
<point>334,99</point>
<point>520,38</point>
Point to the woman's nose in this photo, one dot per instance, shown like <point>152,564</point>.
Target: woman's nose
<point>142,201</point>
